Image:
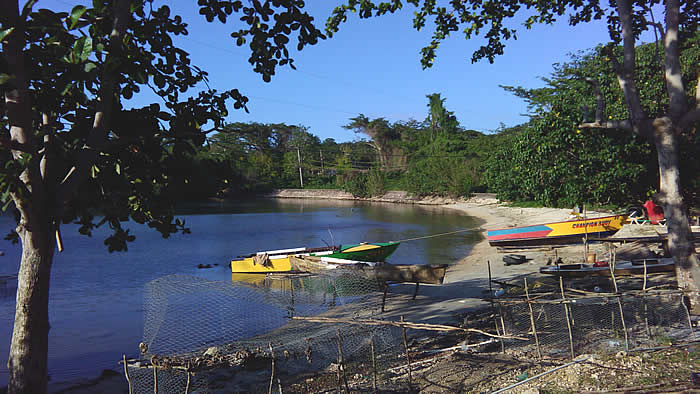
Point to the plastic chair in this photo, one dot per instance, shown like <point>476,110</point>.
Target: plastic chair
<point>655,213</point>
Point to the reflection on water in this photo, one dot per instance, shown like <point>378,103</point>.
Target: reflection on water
<point>97,298</point>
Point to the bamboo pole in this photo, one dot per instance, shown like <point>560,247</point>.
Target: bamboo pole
<point>126,373</point>
<point>408,357</point>
<point>566,314</point>
<point>187,386</point>
<point>532,320</point>
<point>341,364</point>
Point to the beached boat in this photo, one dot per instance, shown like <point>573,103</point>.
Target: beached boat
<point>634,267</point>
<point>565,232</point>
<point>380,271</point>
<point>278,260</point>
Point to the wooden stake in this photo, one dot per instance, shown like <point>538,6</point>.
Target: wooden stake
<point>341,365</point>
<point>644,287</point>
<point>187,387</point>
<point>566,314</point>
<point>374,363</point>
<point>532,320</point>
<point>415,292</point>
<point>155,379</point>
<point>644,299</point>
<point>126,373</point>
<point>272,373</point>
<point>687,314</point>
<point>386,289</point>
<point>624,326</point>
<point>503,347</point>
<point>488,262</point>
<point>59,239</point>
<point>408,357</point>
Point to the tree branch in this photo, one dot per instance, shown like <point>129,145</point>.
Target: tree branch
<point>674,81</point>
<point>600,101</point>
<point>625,75</point>
<point>97,138</point>
<point>610,124</point>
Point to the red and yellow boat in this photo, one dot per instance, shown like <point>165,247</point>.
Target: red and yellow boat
<point>557,233</point>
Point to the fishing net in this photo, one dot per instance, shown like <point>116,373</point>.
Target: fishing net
<point>223,336</point>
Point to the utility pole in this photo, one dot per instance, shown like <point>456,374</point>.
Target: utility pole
<point>301,178</point>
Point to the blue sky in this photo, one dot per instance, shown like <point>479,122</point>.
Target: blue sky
<point>372,67</point>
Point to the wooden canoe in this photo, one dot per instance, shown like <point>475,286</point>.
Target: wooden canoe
<point>634,267</point>
<point>380,271</point>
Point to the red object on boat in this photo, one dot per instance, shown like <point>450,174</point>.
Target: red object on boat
<point>600,264</point>
<point>655,212</point>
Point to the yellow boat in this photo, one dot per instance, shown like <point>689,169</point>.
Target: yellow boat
<point>278,260</point>
<point>565,232</point>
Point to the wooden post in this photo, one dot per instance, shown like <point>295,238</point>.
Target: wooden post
<point>187,386</point>
<point>155,378</point>
<point>415,292</point>
<point>532,320</point>
<point>687,314</point>
<point>624,326</point>
<point>128,379</point>
<point>374,363</point>
<point>566,314</point>
<point>644,299</point>
<point>272,373</point>
<point>503,347</point>
<point>488,262</point>
<point>341,365</point>
<point>408,357</point>
<point>386,289</point>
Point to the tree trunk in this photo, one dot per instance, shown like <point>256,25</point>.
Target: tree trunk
<point>29,347</point>
<point>680,237</point>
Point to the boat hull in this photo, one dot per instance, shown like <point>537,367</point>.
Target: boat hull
<point>635,267</point>
<point>372,252</point>
<point>379,271</point>
<point>557,233</point>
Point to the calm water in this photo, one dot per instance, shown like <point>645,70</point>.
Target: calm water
<point>96,301</point>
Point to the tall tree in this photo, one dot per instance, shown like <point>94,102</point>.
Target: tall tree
<point>385,139</point>
<point>626,20</point>
<point>71,149</point>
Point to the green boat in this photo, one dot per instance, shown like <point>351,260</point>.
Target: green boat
<point>278,260</point>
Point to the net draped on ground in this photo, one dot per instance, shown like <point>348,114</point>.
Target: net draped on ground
<point>255,333</point>
<point>236,323</point>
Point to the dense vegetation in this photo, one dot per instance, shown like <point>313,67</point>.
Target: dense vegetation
<point>548,159</point>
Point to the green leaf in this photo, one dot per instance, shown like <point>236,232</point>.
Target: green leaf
<point>6,79</point>
<point>141,77</point>
<point>89,66</point>
<point>75,15</point>
<point>5,33</point>
<point>82,49</point>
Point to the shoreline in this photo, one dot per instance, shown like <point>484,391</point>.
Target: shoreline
<point>466,281</point>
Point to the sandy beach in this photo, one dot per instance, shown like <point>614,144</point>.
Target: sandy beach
<point>466,282</point>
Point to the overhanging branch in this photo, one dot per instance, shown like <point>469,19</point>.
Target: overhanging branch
<point>97,138</point>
